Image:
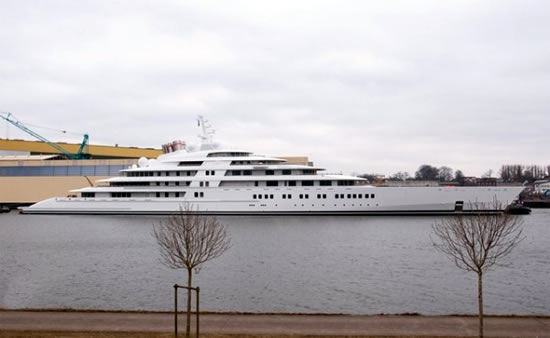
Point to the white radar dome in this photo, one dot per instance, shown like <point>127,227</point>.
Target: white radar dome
<point>142,162</point>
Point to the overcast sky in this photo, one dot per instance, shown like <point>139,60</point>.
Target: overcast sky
<point>358,86</point>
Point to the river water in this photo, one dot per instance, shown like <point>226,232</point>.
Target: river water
<point>358,265</point>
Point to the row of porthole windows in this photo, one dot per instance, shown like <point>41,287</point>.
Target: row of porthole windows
<point>319,196</point>
<point>210,173</point>
<point>175,183</point>
<point>353,196</point>
<point>265,196</point>
<point>167,194</point>
<point>159,173</point>
<point>139,184</point>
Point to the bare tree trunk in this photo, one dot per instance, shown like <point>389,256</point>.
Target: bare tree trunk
<point>189,284</point>
<point>480,301</point>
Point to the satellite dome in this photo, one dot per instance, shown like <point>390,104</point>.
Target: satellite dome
<point>142,162</point>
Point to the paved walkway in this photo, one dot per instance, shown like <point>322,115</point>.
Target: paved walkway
<point>315,325</point>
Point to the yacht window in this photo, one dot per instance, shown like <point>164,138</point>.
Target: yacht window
<point>201,194</point>
<point>254,196</point>
<point>158,194</point>
<point>286,172</point>
<point>307,195</point>
<point>284,196</point>
<point>166,194</point>
<point>270,172</point>
<point>236,172</point>
<point>177,183</point>
<point>212,173</point>
<point>260,196</point>
<point>360,195</point>
<point>190,163</point>
<point>165,183</point>
<point>88,194</point>
<point>208,173</point>
<point>247,172</point>
<point>318,196</point>
<point>366,195</point>
<point>341,195</point>
<point>371,195</point>
<point>325,183</point>
<point>266,196</point>
<point>301,196</point>
<point>120,194</point>
<point>177,194</point>
<point>201,184</point>
<point>307,183</point>
<point>289,196</point>
<point>291,183</point>
<point>207,184</point>
<point>336,196</point>
<point>324,195</point>
<point>354,195</point>
<point>196,194</point>
<point>349,195</point>
<point>177,173</point>
<point>271,183</point>
<point>256,183</point>
<point>270,196</point>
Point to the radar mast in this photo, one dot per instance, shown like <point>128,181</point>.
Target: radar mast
<point>207,136</point>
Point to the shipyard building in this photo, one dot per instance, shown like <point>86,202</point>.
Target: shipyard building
<point>33,170</point>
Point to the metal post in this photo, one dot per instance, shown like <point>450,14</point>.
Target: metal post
<point>176,287</point>
<point>176,310</point>
<point>198,292</point>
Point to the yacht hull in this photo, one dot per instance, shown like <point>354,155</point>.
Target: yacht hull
<point>319,201</point>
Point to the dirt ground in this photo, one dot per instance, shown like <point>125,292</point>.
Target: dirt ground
<point>79,324</point>
<point>42,334</point>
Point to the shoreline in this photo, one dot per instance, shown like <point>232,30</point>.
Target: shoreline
<point>250,313</point>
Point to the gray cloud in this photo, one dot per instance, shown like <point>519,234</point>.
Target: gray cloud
<point>358,86</point>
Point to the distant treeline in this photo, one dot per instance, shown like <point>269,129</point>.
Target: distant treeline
<point>510,173</point>
<point>522,173</point>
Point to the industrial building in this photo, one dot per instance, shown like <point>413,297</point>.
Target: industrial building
<point>33,170</point>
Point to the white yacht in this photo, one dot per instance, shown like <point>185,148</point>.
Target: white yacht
<point>237,182</point>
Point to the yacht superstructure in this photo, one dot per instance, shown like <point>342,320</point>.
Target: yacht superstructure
<point>237,182</point>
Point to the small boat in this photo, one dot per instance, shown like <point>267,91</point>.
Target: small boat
<point>518,208</point>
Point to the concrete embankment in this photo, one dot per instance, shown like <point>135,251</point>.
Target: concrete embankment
<point>131,324</point>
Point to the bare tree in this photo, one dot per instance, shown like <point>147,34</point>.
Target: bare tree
<point>187,240</point>
<point>445,174</point>
<point>427,172</point>
<point>400,176</point>
<point>478,241</point>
